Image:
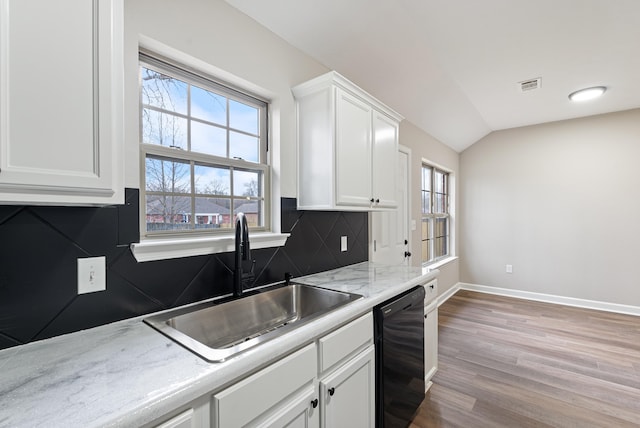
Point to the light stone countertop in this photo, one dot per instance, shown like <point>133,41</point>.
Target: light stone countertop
<point>126,374</point>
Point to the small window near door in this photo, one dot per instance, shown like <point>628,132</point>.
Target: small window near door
<point>435,214</point>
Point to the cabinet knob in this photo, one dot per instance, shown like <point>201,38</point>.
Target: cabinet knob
<point>377,201</point>
<point>407,253</point>
<point>314,403</point>
<point>406,242</point>
<point>332,391</point>
<point>371,200</point>
<point>431,286</point>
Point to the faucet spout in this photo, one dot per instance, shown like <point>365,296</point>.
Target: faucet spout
<point>242,253</point>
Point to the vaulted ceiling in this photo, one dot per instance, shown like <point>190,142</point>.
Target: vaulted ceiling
<point>453,67</point>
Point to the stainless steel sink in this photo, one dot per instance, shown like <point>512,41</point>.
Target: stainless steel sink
<point>217,332</point>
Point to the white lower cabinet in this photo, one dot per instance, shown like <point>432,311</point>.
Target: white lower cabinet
<point>193,415</point>
<point>267,395</point>
<point>301,411</point>
<point>328,383</point>
<point>430,332</point>
<point>185,419</point>
<point>348,394</point>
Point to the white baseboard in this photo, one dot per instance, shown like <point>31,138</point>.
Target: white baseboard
<point>447,294</point>
<point>541,297</point>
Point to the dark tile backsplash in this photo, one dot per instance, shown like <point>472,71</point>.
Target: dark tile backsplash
<point>39,247</point>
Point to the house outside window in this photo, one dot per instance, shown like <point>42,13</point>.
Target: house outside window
<point>203,152</point>
<point>436,218</point>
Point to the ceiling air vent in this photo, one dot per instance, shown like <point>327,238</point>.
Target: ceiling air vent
<point>530,85</point>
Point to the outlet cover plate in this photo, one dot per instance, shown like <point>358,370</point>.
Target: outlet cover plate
<point>91,274</point>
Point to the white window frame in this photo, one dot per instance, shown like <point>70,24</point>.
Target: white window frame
<point>174,246</point>
<point>436,215</point>
<point>191,158</point>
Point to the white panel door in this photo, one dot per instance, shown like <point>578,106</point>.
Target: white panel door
<point>390,229</point>
<point>353,150</point>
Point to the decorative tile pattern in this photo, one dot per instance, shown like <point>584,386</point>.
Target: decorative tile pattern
<point>40,245</point>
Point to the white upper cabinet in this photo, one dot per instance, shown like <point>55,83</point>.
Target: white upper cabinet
<point>61,102</point>
<point>345,139</point>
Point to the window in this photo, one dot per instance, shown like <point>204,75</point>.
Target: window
<point>435,214</point>
<point>204,152</point>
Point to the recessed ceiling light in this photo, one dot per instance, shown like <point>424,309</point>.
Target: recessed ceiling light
<point>587,93</point>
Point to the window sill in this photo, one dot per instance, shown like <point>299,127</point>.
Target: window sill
<point>438,264</point>
<point>162,249</point>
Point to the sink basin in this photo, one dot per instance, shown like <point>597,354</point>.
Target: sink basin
<point>219,331</point>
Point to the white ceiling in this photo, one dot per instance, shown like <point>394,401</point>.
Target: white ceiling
<point>452,67</point>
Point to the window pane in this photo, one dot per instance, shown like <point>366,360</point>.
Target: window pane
<point>244,147</point>
<point>167,176</point>
<point>441,227</point>
<point>426,253</point>
<point>212,180</point>
<point>160,90</point>
<point>168,212</point>
<point>426,178</point>
<point>208,106</point>
<point>212,213</point>
<point>164,129</point>
<point>426,202</point>
<point>440,203</point>
<point>247,183</point>
<point>252,211</point>
<point>439,182</point>
<point>208,139</point>
<point>243,117</point>
<point>440,249</point>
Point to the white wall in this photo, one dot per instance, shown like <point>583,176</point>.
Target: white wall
<point>214,32</point>
<point>561,203</point>
<point>424,146</point>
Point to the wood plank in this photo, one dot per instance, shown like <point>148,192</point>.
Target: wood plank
<point>507,362</point>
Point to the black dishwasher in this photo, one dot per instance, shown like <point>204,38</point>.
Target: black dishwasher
<point>399,342</point>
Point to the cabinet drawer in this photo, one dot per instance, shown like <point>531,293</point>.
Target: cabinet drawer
<point>241,403</point>
<point>343,342</point>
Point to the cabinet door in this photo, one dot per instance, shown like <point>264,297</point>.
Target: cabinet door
<point>430,342</point>
<point>301,412</point>
<point>257,396</point>
<point>385,149</point>
<point>347,396</point>
<point>353,150</point>
<point>61,101</point>
<point>183,420</point>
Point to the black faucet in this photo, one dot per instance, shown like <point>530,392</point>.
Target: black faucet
<point>243,253</point>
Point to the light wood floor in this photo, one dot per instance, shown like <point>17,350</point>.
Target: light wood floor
<point>506,362</point>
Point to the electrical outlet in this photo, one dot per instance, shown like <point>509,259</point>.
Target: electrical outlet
<point>509,269</point>
<point>91,274</point>
<point>343,243</point>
